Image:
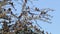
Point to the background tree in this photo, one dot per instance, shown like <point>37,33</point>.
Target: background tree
<point>22,24</point>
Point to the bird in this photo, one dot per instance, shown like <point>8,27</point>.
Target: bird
<point>37,9</point>
<point>9,10</point>
<point>44,11</point>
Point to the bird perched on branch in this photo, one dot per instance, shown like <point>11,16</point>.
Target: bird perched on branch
<point>44,12</point>
<point>9,10</point>
<point>37,9</point>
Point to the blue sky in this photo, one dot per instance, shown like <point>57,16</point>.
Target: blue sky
<point>54,28</point>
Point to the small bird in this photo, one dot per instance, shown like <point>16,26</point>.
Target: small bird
<point>4,9</point>
<point>37,9</point>
<point>9,10</point>
<point>43,12</point>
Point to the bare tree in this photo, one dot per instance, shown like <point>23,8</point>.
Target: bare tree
<point>23,24</point>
